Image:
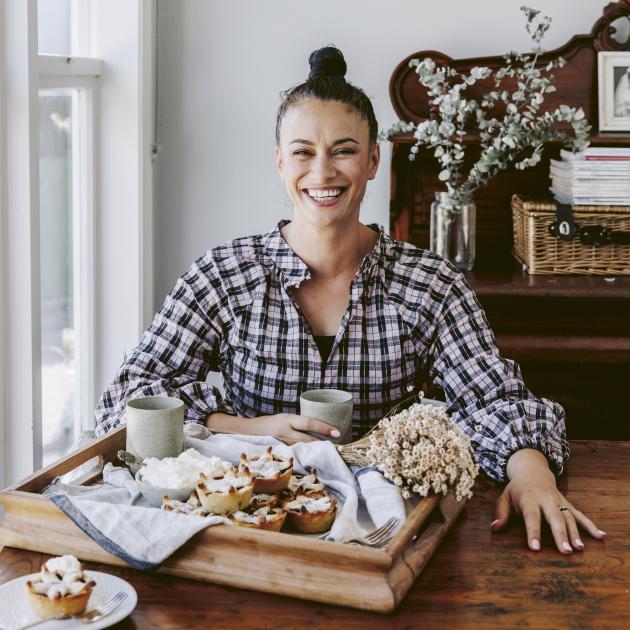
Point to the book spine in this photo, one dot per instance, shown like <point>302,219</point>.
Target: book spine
<point>607,158</point>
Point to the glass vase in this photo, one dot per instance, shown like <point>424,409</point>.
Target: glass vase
<point>453,229</point>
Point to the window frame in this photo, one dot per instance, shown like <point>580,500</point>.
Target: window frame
<point>23,72</point>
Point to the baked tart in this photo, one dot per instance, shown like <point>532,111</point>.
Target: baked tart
<point>310,514</point>
<point>271,472</point>
<point>60,589</point>
<point>179,507</point>
<point>262,499</point>
<point>269,518</point>
<point>225,493</point>
<point>309,485</point>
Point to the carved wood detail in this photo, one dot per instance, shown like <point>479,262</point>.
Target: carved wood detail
<point>603,31</point>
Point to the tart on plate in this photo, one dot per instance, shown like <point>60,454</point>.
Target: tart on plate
<point>225,493</point>
<point>271,472</point>
<point>60,589</point>
<point>269,518</point>
<point>310,514</point>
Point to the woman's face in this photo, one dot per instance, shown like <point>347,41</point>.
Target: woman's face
<point>325,160</point>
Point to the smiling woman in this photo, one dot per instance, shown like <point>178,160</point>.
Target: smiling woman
<point>329,169</point>
<point>259,308</point>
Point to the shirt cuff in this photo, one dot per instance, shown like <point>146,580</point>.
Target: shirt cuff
<point>202,408</point>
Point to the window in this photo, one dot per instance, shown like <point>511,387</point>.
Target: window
<point>57,132</point>
<point>66,102</point>
<point>54,27</point>
<point>75,213</point>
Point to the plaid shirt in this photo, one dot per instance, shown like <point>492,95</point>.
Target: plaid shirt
<point>411,317</point>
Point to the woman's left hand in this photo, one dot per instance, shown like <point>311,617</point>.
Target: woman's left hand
<point>531,491</point>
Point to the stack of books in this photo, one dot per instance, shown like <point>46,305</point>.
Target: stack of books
<point>596,176</point>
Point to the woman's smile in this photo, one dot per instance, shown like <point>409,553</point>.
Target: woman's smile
<point>325,197</point>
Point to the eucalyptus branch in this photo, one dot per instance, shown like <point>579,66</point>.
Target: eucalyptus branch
<point>517,137</point>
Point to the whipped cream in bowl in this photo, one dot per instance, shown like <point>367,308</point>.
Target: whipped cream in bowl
<point>176,477</point>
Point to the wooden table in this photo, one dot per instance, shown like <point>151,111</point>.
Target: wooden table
<point>475,580</point>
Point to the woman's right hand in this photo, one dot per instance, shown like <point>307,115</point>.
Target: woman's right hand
<point>291,428</point>
<point>287,427</point>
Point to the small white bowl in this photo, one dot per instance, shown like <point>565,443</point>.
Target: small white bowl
<point>154,495</point>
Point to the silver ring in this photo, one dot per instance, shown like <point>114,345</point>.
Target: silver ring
<point>564,508</point>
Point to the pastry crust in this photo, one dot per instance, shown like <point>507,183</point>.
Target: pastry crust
<point>225,493</point>
<point>269,518</point>
<point>51,595</point>
<point>61,607</point>
<point>311,514</point>
<point>271,472</point>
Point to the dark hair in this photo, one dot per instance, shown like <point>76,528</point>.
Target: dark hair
<point>326,81</point>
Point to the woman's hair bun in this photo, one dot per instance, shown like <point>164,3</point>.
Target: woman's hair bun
<point>327,62</point>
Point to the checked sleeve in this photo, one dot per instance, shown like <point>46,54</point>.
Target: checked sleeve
<point>174,356</point>
<point>485,393</point>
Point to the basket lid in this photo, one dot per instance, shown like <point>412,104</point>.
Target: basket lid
<point>529,204</point>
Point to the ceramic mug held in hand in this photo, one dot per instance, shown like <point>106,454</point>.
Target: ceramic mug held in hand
<point>333,406</point>
<point>155,427</point>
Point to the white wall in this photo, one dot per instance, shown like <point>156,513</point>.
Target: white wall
<point>222,64</point>
<point>123,136</point>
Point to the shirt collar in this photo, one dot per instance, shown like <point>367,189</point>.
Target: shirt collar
<point>294,270</point>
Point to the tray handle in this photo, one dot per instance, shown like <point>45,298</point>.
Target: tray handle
<point>106,446</point>
<point>431,532</point>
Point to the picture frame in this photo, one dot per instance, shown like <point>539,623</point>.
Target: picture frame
<point>613,81</point>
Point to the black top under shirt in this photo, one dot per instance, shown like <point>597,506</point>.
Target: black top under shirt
<point>324,345</point>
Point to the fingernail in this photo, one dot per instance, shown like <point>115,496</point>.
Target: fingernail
<point>579,543</point>
<point>334,433</point>
<point>601,533</point>
<point>494,522</point>
<point>566,546</point>
<point>535,544</point>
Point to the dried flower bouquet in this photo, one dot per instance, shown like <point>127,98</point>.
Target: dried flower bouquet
<point>420,449</point>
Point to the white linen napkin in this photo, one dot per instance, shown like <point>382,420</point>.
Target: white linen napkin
<point>117,517</point>
<point>381,500</point>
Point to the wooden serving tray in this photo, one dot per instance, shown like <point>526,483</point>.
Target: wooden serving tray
<point>274,562</point>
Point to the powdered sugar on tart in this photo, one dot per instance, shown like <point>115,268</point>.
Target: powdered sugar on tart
<point>268,518</point>
<point>307,484</point>
<point>60,589</point>
<point>262,499</point>
<point>271,472</point>
<point>225,493</point>
<point>179,507</point>
<point>310,504</point>
<point>310,514</point>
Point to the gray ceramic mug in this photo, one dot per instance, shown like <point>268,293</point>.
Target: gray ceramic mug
<point>155,426</point>
<point>333,406</point>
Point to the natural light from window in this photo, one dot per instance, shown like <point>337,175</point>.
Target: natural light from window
<point>58,118</point>
<point>54,27</point>
<point>57,277</point>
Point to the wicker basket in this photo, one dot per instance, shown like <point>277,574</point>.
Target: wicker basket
<point>543,253</point>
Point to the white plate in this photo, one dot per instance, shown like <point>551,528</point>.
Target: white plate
<point>15,611</point>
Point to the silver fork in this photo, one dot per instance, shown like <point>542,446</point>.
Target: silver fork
<point>380,536</point>
<point>91,615</point>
